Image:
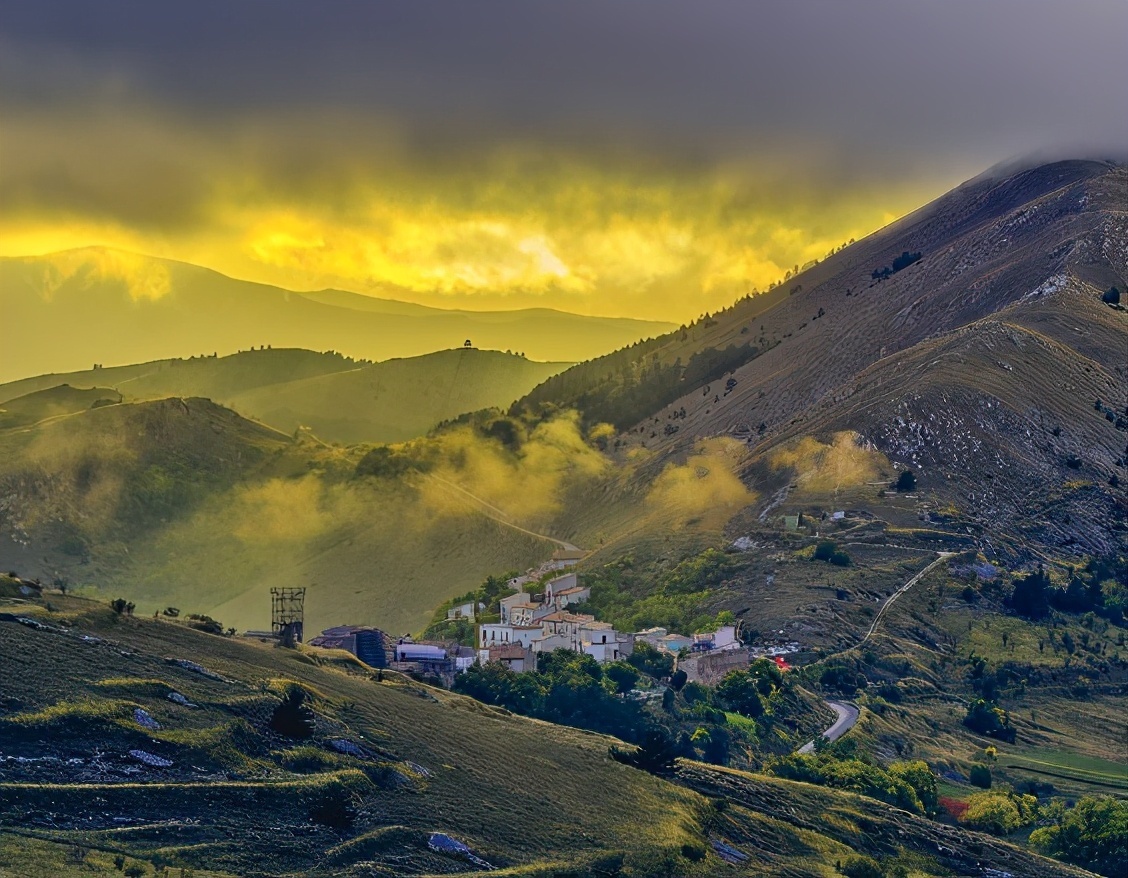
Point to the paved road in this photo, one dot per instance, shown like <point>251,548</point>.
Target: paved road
<point>847,716</point>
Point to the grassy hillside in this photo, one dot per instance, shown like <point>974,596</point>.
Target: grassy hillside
<point>340,399</point>
<point>183,502</point>
<point>53,403</point>
<point>215,378</point>
<point>238,796</point>
<point>110,307</point>
<point>395,400</point>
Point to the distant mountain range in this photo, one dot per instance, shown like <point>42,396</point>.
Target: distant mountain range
<point>99,305</point>
<point>339,399</point>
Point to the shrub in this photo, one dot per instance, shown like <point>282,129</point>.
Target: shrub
<point>291,717</point>
<point>858,866</point>
<point>824,550</point>
<point>980,776</point>
<point>906,481</point>
<point>656,753</point>
<point>1000,812</point>
<point>954,807</point>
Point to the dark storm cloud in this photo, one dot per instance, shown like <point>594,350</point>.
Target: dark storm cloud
<point>862,83</point>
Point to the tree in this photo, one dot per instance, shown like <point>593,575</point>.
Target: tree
<point>1030,597</point>
<point>1000,812</point>
<point>919,776</point>
<point>980,776</point>
<point>656,754</point>
<point>678,680</point>
<point>652,662</point>
<point>738,692</point>
<point>622,675</point>
<point>906,481</point>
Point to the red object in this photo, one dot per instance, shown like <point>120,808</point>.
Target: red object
<point>954,807</point>
<point>781,664</point>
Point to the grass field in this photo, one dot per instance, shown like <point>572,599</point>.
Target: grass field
<point>1071,772</point>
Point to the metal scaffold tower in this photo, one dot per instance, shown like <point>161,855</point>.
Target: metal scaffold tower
<point>287,612</point>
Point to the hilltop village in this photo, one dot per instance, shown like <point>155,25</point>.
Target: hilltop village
<point>540,615</point>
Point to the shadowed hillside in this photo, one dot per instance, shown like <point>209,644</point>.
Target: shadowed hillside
<point>111,307</point>
<point>955,341</point>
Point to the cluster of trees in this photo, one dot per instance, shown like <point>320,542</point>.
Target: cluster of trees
<point>569,688</point>
<point>1092,834</point>
<point>625,387</point>
<point>384,462</point>
<point>1000,812</point>
<point>987,718</point>
<point>633,598</point>
<point>693,720</point>
<point>903,261</point>
<point>910,785</point>
<point>1100,588</point>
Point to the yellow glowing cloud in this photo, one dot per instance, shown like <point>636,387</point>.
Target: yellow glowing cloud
<point>708,484</point>
<point>828,467</point>
<point>505,229</point>
<point>142,278</point>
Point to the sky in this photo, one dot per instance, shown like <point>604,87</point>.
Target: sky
<point>615,157</point>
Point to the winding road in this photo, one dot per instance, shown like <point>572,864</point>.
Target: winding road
<point>848,713</point>
<point>847,716</point>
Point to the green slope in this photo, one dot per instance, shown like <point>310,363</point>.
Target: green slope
<point>52,403</point>
<point>184,502</point>
<point>398,399</point>
<point>241,798</point>
<point>340,399</point>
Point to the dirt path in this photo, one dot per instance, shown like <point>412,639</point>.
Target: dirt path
<point>499,515</point>
<point>944,556</point>
<point>847,716</point>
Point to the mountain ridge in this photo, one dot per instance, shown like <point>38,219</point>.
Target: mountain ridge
<point>100,305</point>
